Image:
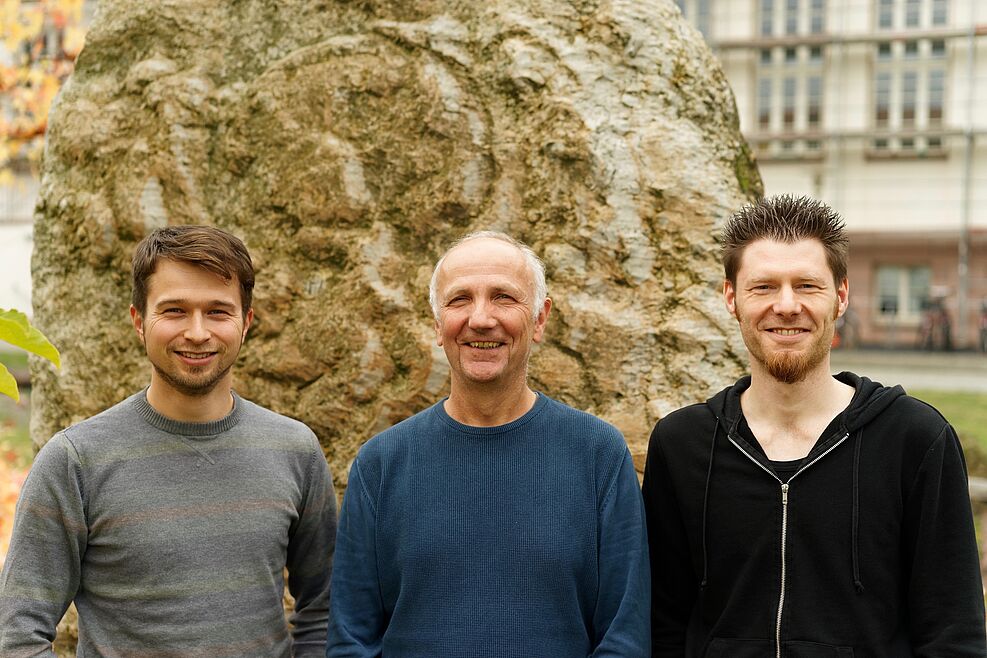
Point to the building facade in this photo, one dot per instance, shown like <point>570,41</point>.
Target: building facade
<point>879,108</point>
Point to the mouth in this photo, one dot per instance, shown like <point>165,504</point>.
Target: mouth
<point>194,357</point>
<point>788,332</point>
<point>484,344</point>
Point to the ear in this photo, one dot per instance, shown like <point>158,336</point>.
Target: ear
<point>542,321</point>
<point>843,296</point>
<point>438,331</point>
<point>247,321</point>
<point>137,321</point>
<point>730,297</point>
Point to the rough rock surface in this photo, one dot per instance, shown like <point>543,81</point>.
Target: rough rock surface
<point>347,143</point>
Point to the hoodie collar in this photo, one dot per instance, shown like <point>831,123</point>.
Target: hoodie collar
<point>869,400</point>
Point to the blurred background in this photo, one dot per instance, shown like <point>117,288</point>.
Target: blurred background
<point>874,106</point>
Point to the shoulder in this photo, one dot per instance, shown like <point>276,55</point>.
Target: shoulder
<point>570,422</point>
<point>682,425</point>
<point>912,423</point>
<point>105,430</point>
<point>397,437</point>
<point>261,420</point>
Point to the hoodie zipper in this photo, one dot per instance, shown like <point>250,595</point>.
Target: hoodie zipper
<point>784,526</point>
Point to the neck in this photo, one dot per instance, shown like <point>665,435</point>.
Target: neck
<point>482,405</point>
<point>786,404</point>
<point>168,402</point>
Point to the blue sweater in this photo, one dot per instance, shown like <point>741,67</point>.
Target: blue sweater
<point>525,539</point>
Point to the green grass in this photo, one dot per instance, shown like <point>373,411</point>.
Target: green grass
<point>13,359</point>
<point>967,412</point>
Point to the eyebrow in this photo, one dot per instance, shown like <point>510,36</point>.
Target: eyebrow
<point>215,303</point>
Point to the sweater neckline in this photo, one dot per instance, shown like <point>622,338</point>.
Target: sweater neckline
<point>541,401</point>
<point>185,428</point>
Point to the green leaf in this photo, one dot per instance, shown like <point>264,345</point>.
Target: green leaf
<point>16,330</point>
<point>8,385</point>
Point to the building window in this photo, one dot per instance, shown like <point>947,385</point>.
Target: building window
<point>788,105</point>
<point>767,17</point>
<point>814,97</point>
<point>909,98</point>
<point>940,12</point>
<point>902,292</point>
<point>882,99</point>
<point>913,11</point>
<point>764,104</point>
<point>791,17</point>
<point>909,93</point>
<point>911,14</point>
<point>937,88</point>
<point>789,97</point>
<point>817,16</point>
<point>885,14</point>
<point>698,13</point>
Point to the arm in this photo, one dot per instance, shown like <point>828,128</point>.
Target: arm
<point>620,620</point>
<point>309,560</point>
<point>42,572</point>
<point>945,595</point>
<point>673,580</point>
<point>357,619</point>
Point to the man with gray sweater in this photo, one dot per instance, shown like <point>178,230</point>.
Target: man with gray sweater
<point>171,517</point>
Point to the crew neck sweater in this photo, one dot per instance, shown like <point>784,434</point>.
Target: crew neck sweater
<point>172,537</point>
<point>525,539</point>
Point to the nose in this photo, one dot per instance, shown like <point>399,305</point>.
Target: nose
<point>196,330</point>
<point>481,316</point>
<point>787,302</point>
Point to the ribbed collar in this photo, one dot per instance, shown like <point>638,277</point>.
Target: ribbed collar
<point>540,403</point>
<point>187,429</point>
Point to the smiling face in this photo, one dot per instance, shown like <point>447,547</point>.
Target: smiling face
<point>192,329</point>
<point>787,303</point>
<point>485,294</point>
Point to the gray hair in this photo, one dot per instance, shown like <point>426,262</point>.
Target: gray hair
<point>535,266</point>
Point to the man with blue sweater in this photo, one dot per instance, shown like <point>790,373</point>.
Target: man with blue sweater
<point>498,522</point>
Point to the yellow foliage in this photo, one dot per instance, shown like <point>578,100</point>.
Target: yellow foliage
<point>43,38</point>
<point>11,481</point>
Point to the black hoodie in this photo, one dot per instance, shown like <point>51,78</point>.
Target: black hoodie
<point>868,550</point>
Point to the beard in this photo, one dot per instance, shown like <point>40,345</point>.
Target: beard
<point>194,383</point>
<point>785,366</point>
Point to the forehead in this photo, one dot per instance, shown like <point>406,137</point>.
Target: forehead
<point>766,257</point>
<point>180,280</point>
<point>484,260</point>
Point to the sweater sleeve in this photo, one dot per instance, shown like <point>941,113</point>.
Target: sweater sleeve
<point>673,579</point>
<point>357,618</point>
<point>309,560</point>
<point>620,620</point>
<point>42,571</point>
<point>945,596</point>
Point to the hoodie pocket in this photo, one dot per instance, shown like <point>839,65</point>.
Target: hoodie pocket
<point>749,648</point>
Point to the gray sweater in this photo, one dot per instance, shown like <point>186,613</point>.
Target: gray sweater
<point>172,538</point>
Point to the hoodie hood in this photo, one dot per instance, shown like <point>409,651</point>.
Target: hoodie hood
<point>869,400</point>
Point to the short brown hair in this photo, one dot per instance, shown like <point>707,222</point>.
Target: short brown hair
<point>207,247</point>
<point>785,218</point>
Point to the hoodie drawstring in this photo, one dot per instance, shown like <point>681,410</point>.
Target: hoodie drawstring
<point>856,512</point>
<point>709,475</point>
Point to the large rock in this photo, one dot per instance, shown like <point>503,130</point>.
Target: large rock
<point>347,143</point>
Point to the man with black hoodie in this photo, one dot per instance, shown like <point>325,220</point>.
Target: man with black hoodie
<point>797,513</point>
